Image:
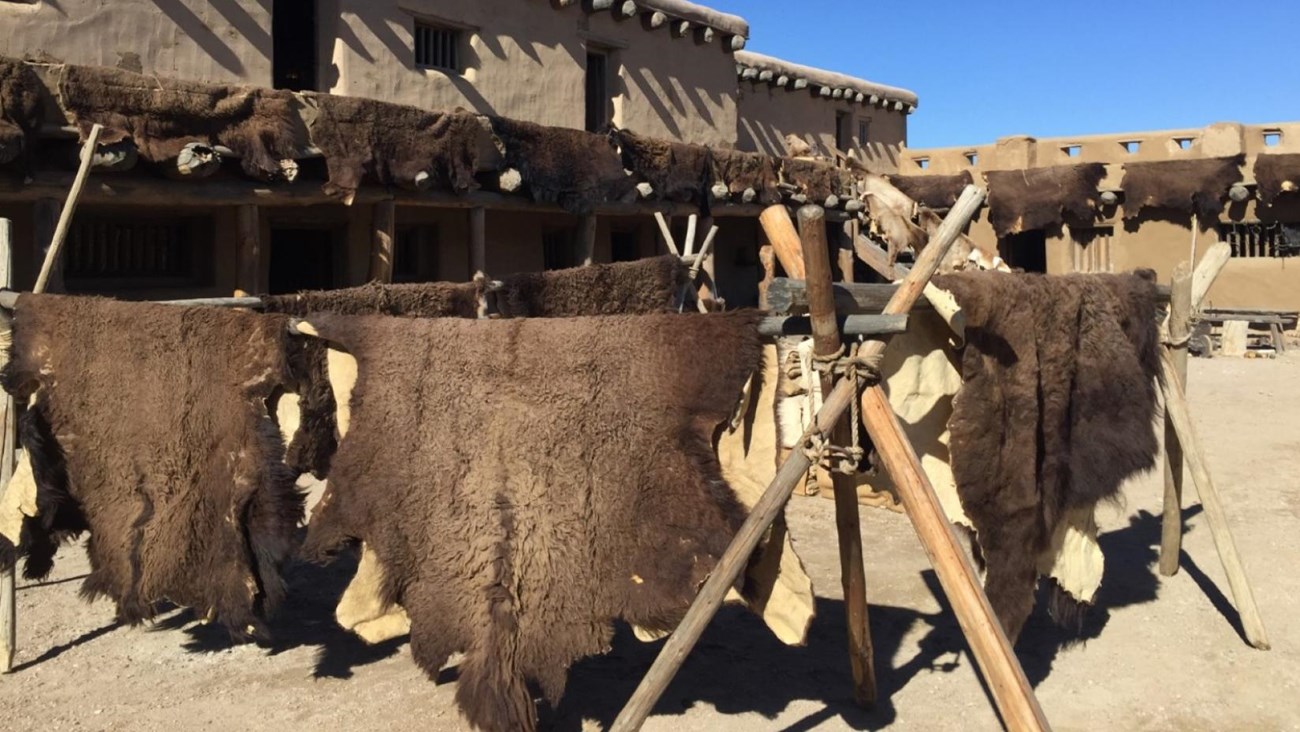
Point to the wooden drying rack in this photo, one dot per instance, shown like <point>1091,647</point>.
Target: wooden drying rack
<point>835,310</point>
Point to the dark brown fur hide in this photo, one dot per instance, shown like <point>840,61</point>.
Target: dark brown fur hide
<point>150,430</point>
<point>21,112</point>
<point>390,144</point>
<point>625,288</point>
<point>161,116</point>
<point>677,171</point>
<point>574,483</point>
<point>314,442</point>
<point>1186,186</point>
<point>933,191</point>
<point>575,169</point>
<point>742,170</point>
<point>1056,410</point>
<point>816,179</point>
<point>1272,172</point>
<point>1038,198</point>
<point>644,286</point>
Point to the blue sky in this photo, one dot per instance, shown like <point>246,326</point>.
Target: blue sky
<point>1046,68</point>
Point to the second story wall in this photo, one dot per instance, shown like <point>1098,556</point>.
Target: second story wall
<point>224,42</point>
<point>828,111</point>
<point>528,60</point>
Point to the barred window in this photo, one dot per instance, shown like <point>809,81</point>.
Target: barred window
<point>126,253</point>
<point>1091,251</point>
<point>1254,240</point>
<point>437,47</point>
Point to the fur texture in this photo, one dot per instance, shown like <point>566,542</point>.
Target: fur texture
<point>815,179</point>
<point>1186,186</point>
<point>677,171</point>
<point>1038,198</point>
<point>21,112</point>
<point>390,144</point>
<point>1273,173</point>
<point>741,170</point>
<point>644,286</point>
<point>161,116</point>
<point>933,191</point>
<point>525,482</point>
<point>1055,412</point>
<point>575,169</point>
<point>625,288</point>
<point>150,430</point>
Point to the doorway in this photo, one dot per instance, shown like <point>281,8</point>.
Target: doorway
<point>598,100</point>
<point>303,259</point>
<point>293,44</point>
<point>1026,250</point>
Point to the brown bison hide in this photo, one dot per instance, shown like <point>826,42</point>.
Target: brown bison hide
<point>21,112</point>
<point>933,191</point>
<point>742,170</point>
<point>1055,411</point>
<point>1188,186</point>
<point>677,171</point>
<point>816,179</point>
<point>1275,175</point>
<point>314,441</point>
<point>150,430</point>
<point>571,168</point>
<point>161,116</point>
<point>1024,200</point>
<point>525,482</point>
<point>392,143</point>
<point>644,286</point>
<point>624,288</point>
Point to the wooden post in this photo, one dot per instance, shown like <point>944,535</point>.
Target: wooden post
<point>53,257</point>
<point>767,259</point>
<point>827,342</point>
<point>8,584</point>
<point>587,240</point>
<point>1179,414</point>
<point>780,232</point>
<point>988,642</point>
<point>1011,690</point>
<point>1177,330</point>
<point>844,250</point>
<point>383,224</point>
<point>477,240</point>
<point>248,257</point>
<point>1212,263</point>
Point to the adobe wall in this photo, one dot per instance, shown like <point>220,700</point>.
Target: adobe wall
<point>1155,240</point>
<point>527,60</point>
<point>768,113</point>
<point>227,42</point>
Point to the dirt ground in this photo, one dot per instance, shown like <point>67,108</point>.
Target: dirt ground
<point>1157,654</point>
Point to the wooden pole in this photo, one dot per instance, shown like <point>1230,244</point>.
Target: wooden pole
<point>1212,263</point>
<point>780,232</point>
<point>477,240</point>
<point>587,240</point>
<point>384,228</point>
<point>848,525</point>
<point>8,584</point>
<point>248,229</point>
<point>988,642</point>
<point>1179,414</point>
<point>764,512</point>
<point>54,255</point>
<point>1177,329</point>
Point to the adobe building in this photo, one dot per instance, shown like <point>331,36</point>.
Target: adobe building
<point>664,69</point>
<point>1234,181</point>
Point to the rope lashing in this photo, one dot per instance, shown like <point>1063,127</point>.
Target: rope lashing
<point>845,363</point>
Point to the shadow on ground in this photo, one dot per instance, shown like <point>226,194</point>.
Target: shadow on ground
<point>738,665</point>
